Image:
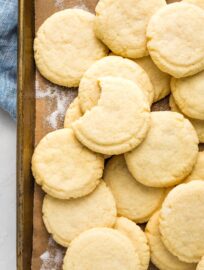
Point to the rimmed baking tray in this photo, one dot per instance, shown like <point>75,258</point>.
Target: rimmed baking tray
<point>26,120</point>
<point>25,133</point>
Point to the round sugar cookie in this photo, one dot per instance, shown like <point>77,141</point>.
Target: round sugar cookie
<point>120,120</point>
<point>199,3</point>
<point>159,79</point>
<point>137,237</point>
<point>101,248</point>
<point>175,37</point>
<point>121,25</point>
<point>66,46</point>
<point>133,200</point>
<point>168,153</point>
<point>200,265</point>
<point>198,170</point>
<point>73,113</point>
<point>189,95</point>
<point>89,89</point>
<point>66,219</point>
<point>65,168</point>
<point>198,124</point>
<point>181,221</point>
<point>160,256</point>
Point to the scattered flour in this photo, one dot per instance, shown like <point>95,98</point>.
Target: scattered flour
<point>52,258</point>
<point>81,5</point>
<point>55,95</point>
<point>59,4</point>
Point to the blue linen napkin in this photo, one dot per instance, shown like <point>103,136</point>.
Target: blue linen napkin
<point>8,55</point>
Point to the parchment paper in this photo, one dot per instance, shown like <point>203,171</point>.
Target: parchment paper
<point>51,104</point>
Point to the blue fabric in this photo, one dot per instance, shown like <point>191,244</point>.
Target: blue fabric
<point>8,55</point>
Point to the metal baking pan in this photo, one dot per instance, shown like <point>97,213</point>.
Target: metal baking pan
<point>25,133</point>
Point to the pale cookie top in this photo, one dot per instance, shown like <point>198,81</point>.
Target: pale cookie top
<point>199,3</point>
<point>57,165</point>
<point>137,237</point>
<point>189,95</point>
<point>160,256</point>
<point>198,124</point>
<point>198,169</point>
<point>181,221</point>
<point>133,200</point>
<point>200,265</point>
<point>176,39</point>
<point>121,25</point>
<point>101,248</point>
<point>65,46</point>
<point>168,153</point>
<point>66,219</point>
<point>73,113</point>
<point>89,89</point>
<point>120,120</point>
<point>159,79</point>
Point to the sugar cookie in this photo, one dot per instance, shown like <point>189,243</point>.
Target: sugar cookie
<point>101,248</point>
<point>198,124</point>
<point>65,46</point>
<point>56,165</point>
<point>89,90</point>
<point>133,200</point>
<point>181,221</point>
<point>199,3</point>
<point>137,237</point>
<point>120,120</point>
<point>176,39</point>
<point>168,153</point>
<point>159,79</point>
<point>198,170</point>
<point>200,266</point>
<point>160,256</point>
<point>73,113</point>
<point>66,219</point>
<point>189,95</point>
<point>121,25</point>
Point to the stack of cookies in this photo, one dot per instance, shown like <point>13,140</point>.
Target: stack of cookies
<point>115,164</point>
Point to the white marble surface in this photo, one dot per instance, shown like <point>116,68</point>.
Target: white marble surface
<point>7,192</point>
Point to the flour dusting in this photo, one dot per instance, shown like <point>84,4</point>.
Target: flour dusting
<point>59,4</point>
<point>59,97</point>
<point>81,5</point>
<point>52,258</point>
